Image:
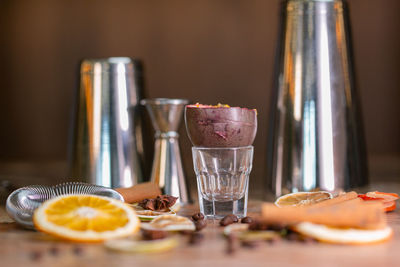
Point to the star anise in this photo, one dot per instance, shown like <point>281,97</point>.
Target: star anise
<point>160,203</point>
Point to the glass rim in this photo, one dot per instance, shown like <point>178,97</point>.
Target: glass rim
<point>223,148</point>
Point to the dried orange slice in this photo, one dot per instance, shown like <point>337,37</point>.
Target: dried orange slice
<point>343,235</point>
<point>302,198</point>
<point>86,218</point>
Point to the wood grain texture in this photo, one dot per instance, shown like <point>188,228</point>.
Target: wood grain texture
<point>28,248</point>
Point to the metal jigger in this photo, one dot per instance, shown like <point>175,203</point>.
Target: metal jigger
<point>316,135</point>
<point>167,169</point>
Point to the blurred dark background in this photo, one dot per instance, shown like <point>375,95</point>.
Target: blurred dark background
<point>208,51</point>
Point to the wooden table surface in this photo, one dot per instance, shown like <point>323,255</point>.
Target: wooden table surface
<point>19,247</point>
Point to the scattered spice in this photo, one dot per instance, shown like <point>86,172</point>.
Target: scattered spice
<point>228,219</point>
<point>160,203</point>
<point>246,220</point>
<point>198,216</point>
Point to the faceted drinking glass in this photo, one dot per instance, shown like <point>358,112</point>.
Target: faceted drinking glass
<point>223,179</point>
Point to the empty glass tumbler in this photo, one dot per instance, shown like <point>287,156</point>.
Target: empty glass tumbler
<point>223,179</point>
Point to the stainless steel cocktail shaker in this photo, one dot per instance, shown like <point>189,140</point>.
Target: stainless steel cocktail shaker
<point>104,144</point>
<point>316,138</point>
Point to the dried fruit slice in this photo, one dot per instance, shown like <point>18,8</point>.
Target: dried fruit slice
<point>86,218</point>
<point>142,246</point>
<point>386,196</point>
<point>302,198</point>
<point>236,228</point>
<point>343,235</point>
<point>388,199</point>
<point>149,215</point>
<point>170,223</point>
<point>242,232</point>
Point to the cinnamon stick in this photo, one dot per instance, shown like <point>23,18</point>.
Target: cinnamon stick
<point>351,213</point>
<point>139,192</point>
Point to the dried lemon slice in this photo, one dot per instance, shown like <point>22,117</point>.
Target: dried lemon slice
<point>136,246</point>
<point>170,223</point>
<point>242,232</point>
<point>86,218</point>
<point>302,198</point>
<point>343,235</point>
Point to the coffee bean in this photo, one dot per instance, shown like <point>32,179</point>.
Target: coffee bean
<point>228,219</point>
<point>246,220</point>
<point>200,225</point>
<point>198,216</point>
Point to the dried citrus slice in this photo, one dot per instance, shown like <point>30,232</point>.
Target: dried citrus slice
<point>170,223</point>
<point>176,207</point>
<point>302,198</point>
<point>388,199</point>
<point>343,235</point>
<point>142,246</point>
<point>86,218</point>
<point>149,215</point>
<point>236,228</point>
<point>242,231</point>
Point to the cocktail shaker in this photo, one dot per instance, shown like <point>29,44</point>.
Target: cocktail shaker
<point>104,149</point>
<point>316,137</point>
<point>167,170</point>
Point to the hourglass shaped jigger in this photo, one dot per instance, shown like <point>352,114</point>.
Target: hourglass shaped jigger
<point>167,170</point>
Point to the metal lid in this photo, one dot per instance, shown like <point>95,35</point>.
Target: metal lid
<point>111,64</point>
